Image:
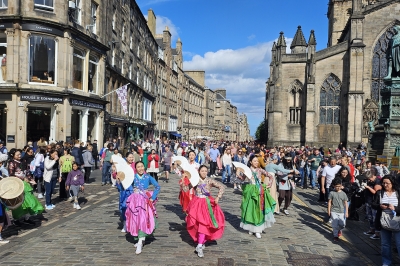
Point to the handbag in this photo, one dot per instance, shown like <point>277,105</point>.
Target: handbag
<point>389,222</point>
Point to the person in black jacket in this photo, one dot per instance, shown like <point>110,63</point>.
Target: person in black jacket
<point>387,200</point>
<point>77,153</point>
<point>95,153</point>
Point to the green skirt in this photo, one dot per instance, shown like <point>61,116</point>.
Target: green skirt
<point>31,204</point>
<point>252,211</point>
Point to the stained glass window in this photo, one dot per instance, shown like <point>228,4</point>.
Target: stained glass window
<point>379,64</point>
<point>329,110</point>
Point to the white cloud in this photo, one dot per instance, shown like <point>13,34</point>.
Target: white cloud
<point>251,37</point>
<point>242,72</point>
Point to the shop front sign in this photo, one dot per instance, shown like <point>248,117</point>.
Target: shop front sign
<point>41,98</point>
<point>6,25</point>
<point>86,104</point>
<point>42,28</point>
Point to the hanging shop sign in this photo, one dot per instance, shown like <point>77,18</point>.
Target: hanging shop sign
<point>41,98</point>
<point>86,104</point>
<point>42,28</point>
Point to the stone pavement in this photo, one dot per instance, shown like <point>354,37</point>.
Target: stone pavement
<point>353,233</point>
<point>92,237</point>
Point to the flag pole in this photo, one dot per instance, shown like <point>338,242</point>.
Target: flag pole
<point>113,91</point>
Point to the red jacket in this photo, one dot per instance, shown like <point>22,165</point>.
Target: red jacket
<point>150,158</point>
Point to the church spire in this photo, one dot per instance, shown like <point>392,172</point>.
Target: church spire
<point>298,39</point>
<point>312,40</point>
<point>281,40</point>
<point>298,44</point>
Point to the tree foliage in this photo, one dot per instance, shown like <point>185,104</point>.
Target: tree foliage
<point>261,132</point>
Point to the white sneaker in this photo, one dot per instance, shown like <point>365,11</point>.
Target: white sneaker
<point>258,235</point>
<point>49,207</point>
<point>78,207</point>
<point>70,197</point>
<point>250,233</point>
<point>123,229</point>
<point>199,251</point>
<point>40,196</point>
<point>286,212</point>
<point>2,241</point>
<point>74,205</point>
<point>139,248</point>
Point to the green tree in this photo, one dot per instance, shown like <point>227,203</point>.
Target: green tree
<point>261,132</point>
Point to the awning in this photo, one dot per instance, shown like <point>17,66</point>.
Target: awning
<point>176,134</point>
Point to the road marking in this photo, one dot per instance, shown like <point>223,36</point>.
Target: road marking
<point>27,232</point>
<point>312,212</point>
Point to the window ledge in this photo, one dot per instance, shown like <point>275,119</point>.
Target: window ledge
<point>3,8</point>
<point>44,9</point>
<point>40,83</point>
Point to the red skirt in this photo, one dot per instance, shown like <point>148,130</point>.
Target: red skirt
<point>184,199</point>
<point>198,219</point>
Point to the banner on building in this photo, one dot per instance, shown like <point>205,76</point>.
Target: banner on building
<point>123,97</point>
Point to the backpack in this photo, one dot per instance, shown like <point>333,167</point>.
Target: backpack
<point>67,166</point>
<point>198,159</point>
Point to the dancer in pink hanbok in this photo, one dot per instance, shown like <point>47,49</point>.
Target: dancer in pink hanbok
<point>141,210</point>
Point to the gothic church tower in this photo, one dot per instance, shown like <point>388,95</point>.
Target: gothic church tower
<point>338,14</point>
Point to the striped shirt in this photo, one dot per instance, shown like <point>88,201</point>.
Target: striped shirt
<point>390,200</point>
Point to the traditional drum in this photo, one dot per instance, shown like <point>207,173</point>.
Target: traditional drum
<point>12,192</point>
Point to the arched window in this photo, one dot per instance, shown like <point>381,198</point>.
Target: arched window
<point>329,106</point>
<point>379,63</point>
<point>296,89</point>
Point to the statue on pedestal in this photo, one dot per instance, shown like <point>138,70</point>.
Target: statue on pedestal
<point>394,56</point>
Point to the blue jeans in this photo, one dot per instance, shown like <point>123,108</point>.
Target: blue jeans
<point>106,173</point>
<point>313,177</point>
<point>386,245</point>
<point>227,171</point>
<point>49,186</point>
<point>301,170</point>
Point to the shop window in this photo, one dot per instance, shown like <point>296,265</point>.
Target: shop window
<point>3,3</point>
<point>78,67</point>
<point>93,74</point>
<point>3,57</point>
<point>44,4</point>
<point>42,59</point>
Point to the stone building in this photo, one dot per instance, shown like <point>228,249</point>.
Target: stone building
<point>53,64</point>
<point>131,60</point>
<point>329,96</point>
<point>193,117</point>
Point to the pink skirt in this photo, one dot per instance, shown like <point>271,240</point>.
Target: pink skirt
<point>140,216</point>
<point>198,219</point>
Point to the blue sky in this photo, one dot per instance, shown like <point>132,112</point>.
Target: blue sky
<point>231,40</point>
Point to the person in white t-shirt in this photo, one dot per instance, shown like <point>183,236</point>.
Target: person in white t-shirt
<point>328,174</point>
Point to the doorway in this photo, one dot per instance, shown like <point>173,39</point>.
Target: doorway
<point>38,124</point>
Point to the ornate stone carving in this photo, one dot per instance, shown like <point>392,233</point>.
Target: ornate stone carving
<point>394,140</point>
<point>370,117</point>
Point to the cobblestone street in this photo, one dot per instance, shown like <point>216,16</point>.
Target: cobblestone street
<point>92,236</point>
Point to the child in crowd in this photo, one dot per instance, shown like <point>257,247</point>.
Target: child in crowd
<point>337,208</point>
<point>75,182</point>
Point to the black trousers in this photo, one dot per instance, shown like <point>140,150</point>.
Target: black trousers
<point>63,193</point>
<point>213,166</point>
<point>285,195</point>
<point>87,174</point>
